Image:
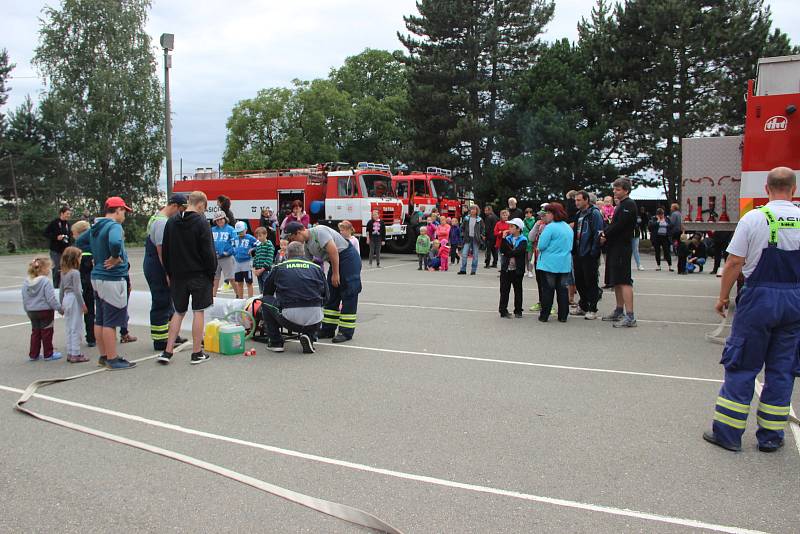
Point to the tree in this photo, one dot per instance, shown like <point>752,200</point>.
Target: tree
<point>674,69</point>
<point>5,70</point>
<point>102,107</point>
<point>556,135</point>
<point>462,58</point>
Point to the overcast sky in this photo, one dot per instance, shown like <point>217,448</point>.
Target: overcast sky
<point>226,51</point>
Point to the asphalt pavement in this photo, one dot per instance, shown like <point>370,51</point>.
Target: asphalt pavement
<point>439,416</point>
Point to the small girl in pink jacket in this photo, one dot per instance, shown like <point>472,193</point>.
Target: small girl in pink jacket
<point>444,254</point>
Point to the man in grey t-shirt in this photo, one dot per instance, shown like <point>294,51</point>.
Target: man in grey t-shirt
<point>344,276</point>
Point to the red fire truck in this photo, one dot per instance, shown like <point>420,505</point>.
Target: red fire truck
<point>330,193</point>
<point>424,191</point>
<point>724,177</point>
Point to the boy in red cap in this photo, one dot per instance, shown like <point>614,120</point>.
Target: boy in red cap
<point>106,240</point>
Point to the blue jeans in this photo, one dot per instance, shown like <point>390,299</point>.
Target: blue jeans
<point>636,256</point>
<point>474,245</point>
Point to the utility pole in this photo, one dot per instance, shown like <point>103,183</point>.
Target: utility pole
<point>168,44</point>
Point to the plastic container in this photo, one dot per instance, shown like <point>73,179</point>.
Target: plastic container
<point>231,339</point>
<point>211,335</point>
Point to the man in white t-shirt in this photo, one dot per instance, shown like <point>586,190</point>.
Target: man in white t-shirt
<point>766,328</point>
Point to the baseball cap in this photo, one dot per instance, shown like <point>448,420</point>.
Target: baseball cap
<point>240,226</point>
<point>516,221</point>
<point>220,215</point>
<point>117,202</point>
<point>291,229</point>
<point>179,199</point>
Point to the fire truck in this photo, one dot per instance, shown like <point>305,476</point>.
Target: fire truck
<point>330,193</point>
<point>424,191</point>
<point>724,177</point>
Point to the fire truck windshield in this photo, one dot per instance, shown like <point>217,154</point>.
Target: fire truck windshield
<point>443,188</point>
<point>376,185</point>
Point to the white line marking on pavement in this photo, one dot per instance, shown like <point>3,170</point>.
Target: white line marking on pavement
<point>402,475</point>
<point>438,308</point>
<point>515,362</point>
<point>792,426</point>
<point>15,324</point>
<point>495,288</point>
<point>11,287</point>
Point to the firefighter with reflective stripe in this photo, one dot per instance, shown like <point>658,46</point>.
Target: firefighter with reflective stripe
<point>344,277</point>
<point>161,308</point>
<point>766,327</point>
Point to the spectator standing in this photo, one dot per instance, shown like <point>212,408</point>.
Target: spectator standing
<point>608,209</point>
<point>586,255</point>
<point>297,215</point>
<point>644,222</point>
<point>533,237</point>
<point>40,303</point>
<point>244,245</point>
<point>473,234</point>
<point>161,308</point>
<point>722,239</point>
<point>346,229</point>
<point>661,238</point>
<point>376,237</point>
<point>70,295</point>
<point>455,240</point>
<point>294,292</point>
<point>344,277</point>
<point>555,262</point>
<point>514,248</point>
<point>264,257</point>
<point>489,222</point>
<point>190,261</point>
<point>432,226</point>
<point>676,219</point>
<point>423,246</point>
<point>107,241</point>
<point>513,211</point>
<point>637,237</point>
<point>500,227</point>
<point>618,236</point>
<point>87,264</point>
<point>443,230</point>
<point>224,205</point>
<point>529,221</point>
<point>58,236</point>
<point>223,234</point>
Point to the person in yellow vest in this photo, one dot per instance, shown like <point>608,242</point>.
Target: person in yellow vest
<point>161,308</point>
<point>766,327</point>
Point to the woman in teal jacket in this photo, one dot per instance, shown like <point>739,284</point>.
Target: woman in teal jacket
<point>555,262</point>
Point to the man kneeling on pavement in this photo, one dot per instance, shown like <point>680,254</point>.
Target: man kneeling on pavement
<point>294,293</point>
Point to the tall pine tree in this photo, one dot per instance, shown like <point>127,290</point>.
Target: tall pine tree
<point>674,69</point>
<point>462,58</point>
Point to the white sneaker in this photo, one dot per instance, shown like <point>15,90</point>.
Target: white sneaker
<point>641,268</point>
<point>590,316</point>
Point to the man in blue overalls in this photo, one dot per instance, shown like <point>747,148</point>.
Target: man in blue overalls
<point>161,308</point>
<point>344,277</point>
<point>766,327</point>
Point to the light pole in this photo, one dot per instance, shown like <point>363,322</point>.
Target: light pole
<point>168,44</point>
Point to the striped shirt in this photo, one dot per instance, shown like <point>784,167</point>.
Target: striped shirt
<point>265,255</point>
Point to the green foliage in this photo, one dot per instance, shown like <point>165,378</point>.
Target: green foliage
<point>356,114</point>
<point>5,70</point>
<point>675,69</point>
<point>463,58</point>
<point>102,108</point>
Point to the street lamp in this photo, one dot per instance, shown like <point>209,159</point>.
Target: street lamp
<point>168,44</point>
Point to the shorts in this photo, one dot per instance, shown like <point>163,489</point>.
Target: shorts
<point>619,265</point>
<point>244,276</point>
<point>196,286</point>
<point>226,267</point>
<point>111,303</point>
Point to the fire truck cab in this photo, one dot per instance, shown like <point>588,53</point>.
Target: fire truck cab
<point>329,193</point>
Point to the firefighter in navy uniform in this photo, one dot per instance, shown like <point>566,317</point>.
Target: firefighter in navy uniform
<point>161,308</point>
<point>344,277</point>
<point>766,327</point>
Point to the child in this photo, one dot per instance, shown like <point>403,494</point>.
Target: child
<point>499,228</point>
<point>698,253</point>
<point>433,256</point>
<point>243,245</point>
<point>223,235</point>
<point>431,228</point>
<point>529,222</point>
<point>264,256</point>
<point>683,255</point>
<point>87,264</point>
<point>71,296</point>
<point>346,229</point>
<point>455,240</point>
<point>376,237</point>
<point>281,254</point>
<point>423,247</point>
<point>443,230</point>
<point>40,302</point>
<point>444,255</point>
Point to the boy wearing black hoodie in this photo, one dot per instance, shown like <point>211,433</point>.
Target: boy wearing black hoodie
<point>190,262</point>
